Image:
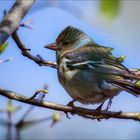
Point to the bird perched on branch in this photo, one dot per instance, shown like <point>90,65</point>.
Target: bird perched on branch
<point>88,71</point>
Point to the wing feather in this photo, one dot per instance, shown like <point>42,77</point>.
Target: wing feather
<point>105,66</point>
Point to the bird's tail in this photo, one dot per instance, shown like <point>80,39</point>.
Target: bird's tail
<point>130,85</point>
<point>127,80</point>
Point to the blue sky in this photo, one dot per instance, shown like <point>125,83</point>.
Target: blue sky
<point>24,76</point>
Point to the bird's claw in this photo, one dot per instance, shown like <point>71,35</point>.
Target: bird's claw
<point>67,115</point>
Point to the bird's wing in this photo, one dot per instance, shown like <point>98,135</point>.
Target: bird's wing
<point>93,55</point>
<point>104,65</point>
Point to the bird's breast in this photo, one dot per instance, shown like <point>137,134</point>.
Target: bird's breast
<point>79,84</point>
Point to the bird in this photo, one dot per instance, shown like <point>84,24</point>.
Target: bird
<point>89,72</point>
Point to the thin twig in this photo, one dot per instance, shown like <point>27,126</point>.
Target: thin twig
<point>84,112</point>
<point>26,52</point>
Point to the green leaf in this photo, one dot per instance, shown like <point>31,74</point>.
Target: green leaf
<point>3,47</point>
<point>121,58</point>
<point>56,117</point>
<point>110,8</point>
<point>44,91</point>
<point>11,108</point>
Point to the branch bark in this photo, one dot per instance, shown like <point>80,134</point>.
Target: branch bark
<point>12,20</point>
<point>83,112</point>
<point>26,52</point>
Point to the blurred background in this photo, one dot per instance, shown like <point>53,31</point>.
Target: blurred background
<point>113,23</point>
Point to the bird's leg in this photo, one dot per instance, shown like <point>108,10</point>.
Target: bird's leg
<point>99,108</point>
<point>71,104</point>
<point>109,104</point>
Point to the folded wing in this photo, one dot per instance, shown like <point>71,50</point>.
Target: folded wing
<point>104,66</point>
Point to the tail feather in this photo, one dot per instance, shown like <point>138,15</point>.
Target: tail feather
<point>130,87</point>
<point>130,76</point>
<point>119,75</point>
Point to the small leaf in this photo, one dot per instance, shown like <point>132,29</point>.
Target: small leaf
<point>3,47</point>
<point>121,59</point>
<point>10,106</point>
<point>110,8</point>
<point>44,91</point>
<point>56,117</point>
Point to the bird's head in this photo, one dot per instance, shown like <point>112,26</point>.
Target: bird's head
<point>69,39</point>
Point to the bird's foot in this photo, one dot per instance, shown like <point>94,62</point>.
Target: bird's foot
<point>71,104</point>
<point>99,109</point>
<point>109,106</point>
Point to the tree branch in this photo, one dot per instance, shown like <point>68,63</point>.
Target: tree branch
<point>83,112</point>
<point>12,20</point>
<point>25,52</point>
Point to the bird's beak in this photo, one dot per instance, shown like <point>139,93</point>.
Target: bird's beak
<point>51,46</point>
